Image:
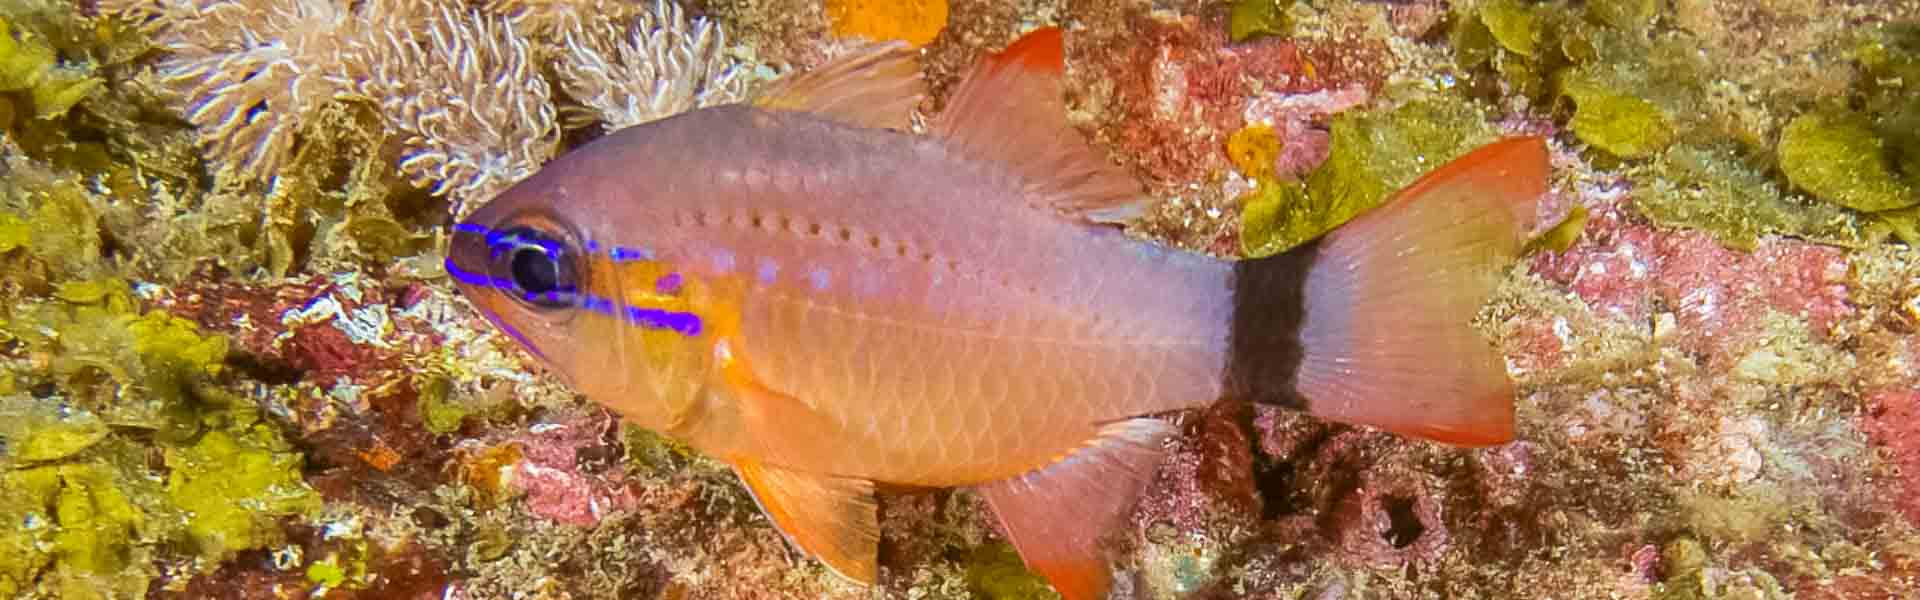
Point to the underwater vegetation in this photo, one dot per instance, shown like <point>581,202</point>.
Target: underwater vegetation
<point>231,367</point>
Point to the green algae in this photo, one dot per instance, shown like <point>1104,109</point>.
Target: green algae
<point>40,432</point>
<point>344,569</point>
<point>1473,44</point>
<point>82,529</point>
<point>1254,19</point>
<point>1628,15</point>
<point>1903,223</point>
<point>1618,122</point>
<point>14,232</point>
<point>28,63</point>
<point>97,340</point>
<point>59,218</point>
<point>24,498</point>
<point>175,347</point>
<point>97,520</point>
<point>1273,218</point>
<point>1373,153</point>
<point>236,486</point>
<point>653,451</point>
<point>1836,156</point>
<point>1515,25</point>
<point>438,412</point>
<point>995,572</point>
<point>327,572</point>
<point>1728,194</point>
<point>1562,235</point>
<point>126,385</point>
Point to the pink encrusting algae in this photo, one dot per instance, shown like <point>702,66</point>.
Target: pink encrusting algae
<point>1893,423</point>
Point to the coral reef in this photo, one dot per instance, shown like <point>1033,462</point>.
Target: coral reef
<point>231,366</point>
<point>464,94</point>
<point>460,90</point>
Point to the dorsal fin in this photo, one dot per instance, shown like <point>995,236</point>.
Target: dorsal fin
<point>875,86</point>
<point>1009,110</point>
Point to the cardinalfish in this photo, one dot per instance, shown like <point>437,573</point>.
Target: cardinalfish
<point>806,289</point>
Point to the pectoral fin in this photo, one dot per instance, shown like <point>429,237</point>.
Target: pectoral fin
<point>835,519</point>
<point>1056,516</point>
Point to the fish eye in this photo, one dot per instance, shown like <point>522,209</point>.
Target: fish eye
<point>538,265</point>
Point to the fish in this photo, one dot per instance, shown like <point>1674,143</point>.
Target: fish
<point>807,288</point>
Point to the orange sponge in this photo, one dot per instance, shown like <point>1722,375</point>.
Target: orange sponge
<point>913,21</point>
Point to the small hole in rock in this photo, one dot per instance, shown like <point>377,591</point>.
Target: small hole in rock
<point>1404,527</point>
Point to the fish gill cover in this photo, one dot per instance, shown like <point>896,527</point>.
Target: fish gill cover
<point>230,365</point>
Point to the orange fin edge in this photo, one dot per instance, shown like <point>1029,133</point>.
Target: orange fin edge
<point>833,519</point>
<point>1056,516</point>
<point>1440,379</point>
<point>1010,110</point>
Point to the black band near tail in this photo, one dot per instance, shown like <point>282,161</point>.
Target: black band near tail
<point>1264,345</point>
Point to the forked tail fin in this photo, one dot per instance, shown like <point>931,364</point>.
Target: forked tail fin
<point>1370,324</point>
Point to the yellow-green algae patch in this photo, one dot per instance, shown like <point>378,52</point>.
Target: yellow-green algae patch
<point>128,449</point>
<point>1253,19</point>
<point>1727,193</point>
<point>236,486</point>
<point>1562,235</point>
<point>1515,25</point>
<point>995,572</point>
<point>94,508</point>
<point>1373,153</point>
<point>1617,121</point>
<point>28,63</point>
<point>14,232</point>
<point>38,432</point>
<point>1836,156</point>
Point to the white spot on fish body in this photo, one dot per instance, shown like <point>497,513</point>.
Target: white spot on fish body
<point>723,260</point>
<point>820,278</point>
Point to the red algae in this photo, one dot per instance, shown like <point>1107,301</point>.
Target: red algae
<point>1714,296</point>
<point>559,483</point>
<point>1178,87</point>
<point>1893,423</point>
<point>1612,267</point>
<point>1207,480</point>
<point>1718,294</point>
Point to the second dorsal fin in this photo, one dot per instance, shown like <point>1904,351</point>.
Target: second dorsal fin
<point>876,86</point>
<point>1009,110</point>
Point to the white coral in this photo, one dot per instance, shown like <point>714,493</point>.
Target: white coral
<point>248,70</point>
<point>656,65</point>
<point>474,113</point>
<point>462,90</point>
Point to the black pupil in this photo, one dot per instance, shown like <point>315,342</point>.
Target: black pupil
<point>535,272</point>
<point>538,266</point>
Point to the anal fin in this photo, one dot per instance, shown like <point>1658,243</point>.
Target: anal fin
<point>1056,516</point>
<point>834,519</point>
